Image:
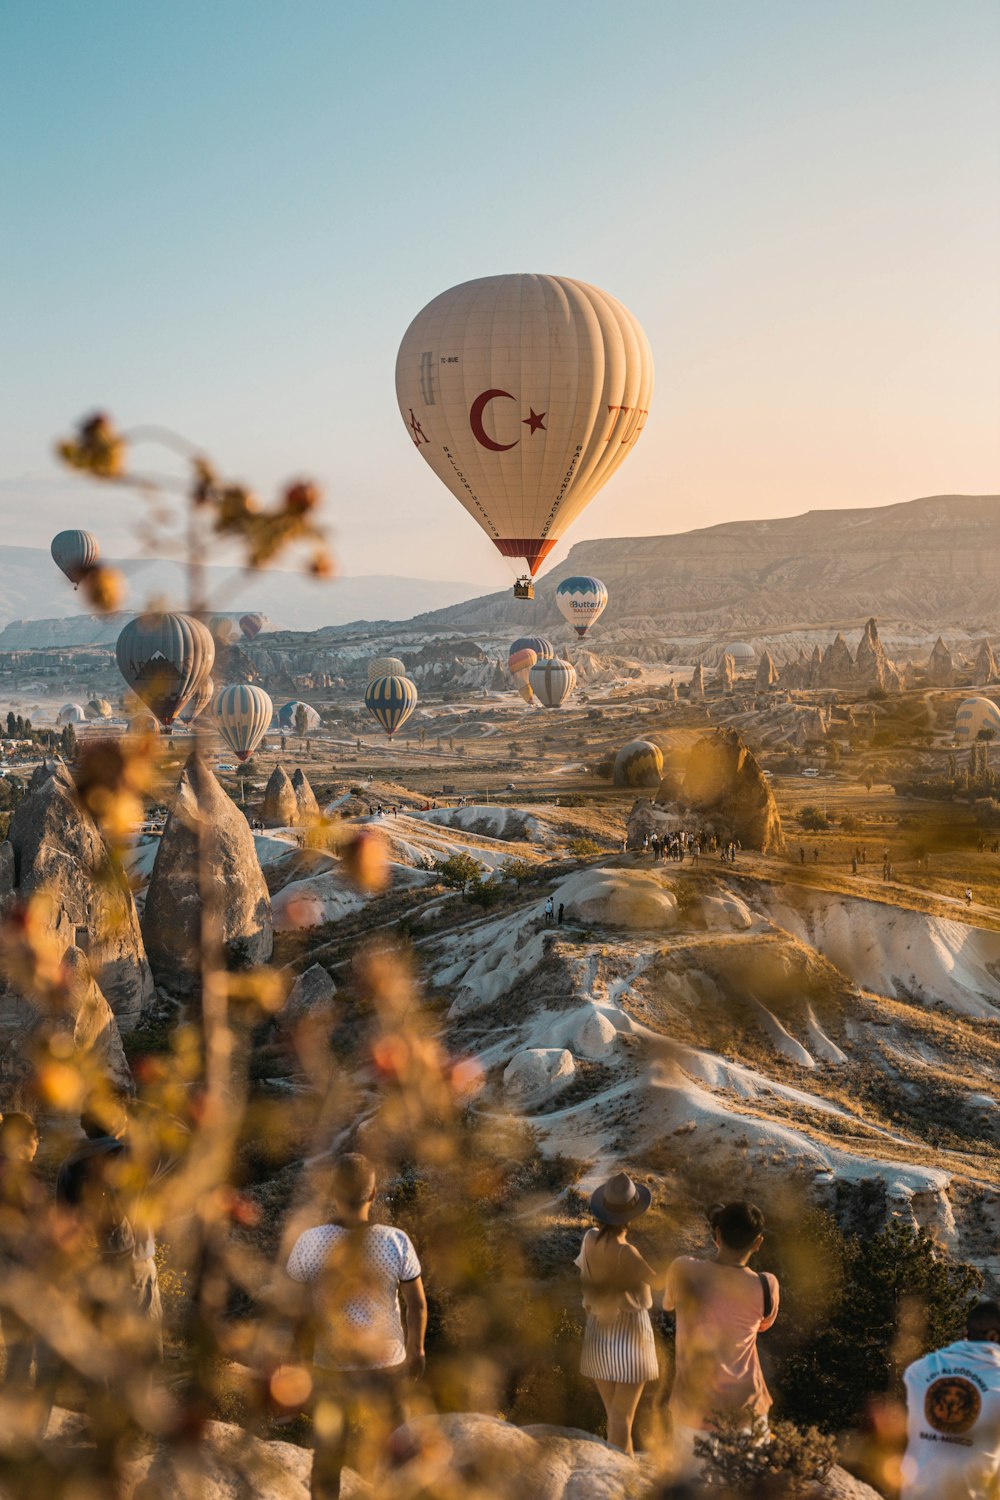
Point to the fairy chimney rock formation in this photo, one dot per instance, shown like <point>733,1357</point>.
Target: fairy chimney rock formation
<point>725,786</point>
<point>871,663</point>
<point>281,807</point>
<point>55,847</point>
<point>697,688</point>
<point>305,798</point>
<point>767,672</point>
<point>985,669</point>
<point>86,1019</point>
<point>726,675</point>
<point>940,667</point>
<point>206,846</point>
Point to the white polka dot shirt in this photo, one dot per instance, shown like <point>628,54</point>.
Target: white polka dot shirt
<point>359,1324</point>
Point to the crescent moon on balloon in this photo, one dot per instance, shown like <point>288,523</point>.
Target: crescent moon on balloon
<point>476,411</point>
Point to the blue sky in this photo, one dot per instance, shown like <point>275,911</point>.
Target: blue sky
<point>222,216</point>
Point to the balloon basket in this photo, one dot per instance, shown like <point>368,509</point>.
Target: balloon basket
<point>524,588</point>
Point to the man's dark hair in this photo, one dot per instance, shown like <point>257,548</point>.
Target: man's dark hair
<point>16,1129</point>
<point>982,1320</point>
<point>353,1180</point>
<point>739,1224</point>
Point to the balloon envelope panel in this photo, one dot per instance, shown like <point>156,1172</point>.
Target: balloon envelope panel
<point>198,701</point>
<point>975,715</point>
<point>163,658</point>
<point>552,680</point>
<point>288,715</point>
<point>536,643</point>
<point>581,601</point>
<point>639,763</point>
<point>391,700</point>
<point>524,393</point>
<point>243,713</point>
<point>75,553</point>
<point>385,666</point>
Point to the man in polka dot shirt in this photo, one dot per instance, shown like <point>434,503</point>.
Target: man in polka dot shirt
<point>362,1355</point>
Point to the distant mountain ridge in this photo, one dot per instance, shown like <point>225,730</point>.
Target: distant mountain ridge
<point>32,590</point>
<point>935,560</point>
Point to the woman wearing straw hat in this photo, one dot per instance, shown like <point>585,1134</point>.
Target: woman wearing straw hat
<point>618,1350</point>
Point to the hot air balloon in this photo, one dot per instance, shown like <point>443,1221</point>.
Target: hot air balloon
<point>536,643</point>
<point>224,630</point>
<point>552,680</point>
<point>639,763</point>
<point>524,394</point>
<point>71,713</point>
<point>198,701</point>
<point>392,701</point>
<point>243,713</point>
<point>251,625</point>
<point>142,725</point>
<point>385,666</point>
<point>288,714</point>
<point>974,715</point>
<point>75,552</point>
<point>98,708</point>
<point>581,601</point>
<point>164,658</point>
<point>519,665</point>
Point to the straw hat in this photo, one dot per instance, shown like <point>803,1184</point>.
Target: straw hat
<point>620,1200</point>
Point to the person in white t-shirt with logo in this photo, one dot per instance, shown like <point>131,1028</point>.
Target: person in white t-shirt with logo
<point>362,1354</point>
<point>953,1416</point>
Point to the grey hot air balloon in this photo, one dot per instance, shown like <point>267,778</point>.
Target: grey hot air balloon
<point>164,658</point>
<point>75,553</point>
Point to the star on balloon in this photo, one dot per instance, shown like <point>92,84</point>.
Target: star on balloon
<point>534,421</point>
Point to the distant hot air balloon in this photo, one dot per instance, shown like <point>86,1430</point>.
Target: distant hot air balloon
<point>288,714</point>
<point>524,393</point>
<point>243,713</point>
<point>392,701</point>
<point>98,708</point>
<point>639,763</point>
<point>552,680</point>
<point>581,601</point>
<point>163,658</point>
<point>519,665</point>
<point>385,666</point>
<point>251,625</point>
<point>536,643</point>
<point>224,630</point>
<point>140,726</point>
<point>198,701</point>
<point>75,552</point>
<point>974,716</point>
<point>71,713</point>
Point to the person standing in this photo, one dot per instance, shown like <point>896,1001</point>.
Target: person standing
<point>619,1354</point>
<point>953,1415</point>
<point>559,916</point>
<point>362,1355</point>
<point>721,1306</point>
<point>548,910</point>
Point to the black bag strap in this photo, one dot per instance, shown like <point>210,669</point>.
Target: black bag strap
<point>765,1287</point>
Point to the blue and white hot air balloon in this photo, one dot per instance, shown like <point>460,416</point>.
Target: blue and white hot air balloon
<point>581,601</point>
<point>243,714</point>
<point>391,700</point>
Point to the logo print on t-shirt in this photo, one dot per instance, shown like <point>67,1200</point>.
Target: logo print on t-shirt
<point>952,1404</point>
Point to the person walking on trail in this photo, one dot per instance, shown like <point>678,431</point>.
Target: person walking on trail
<point>802,855</point>
<point>721,1306</point>
<point>619,1354</point>
<point>953,1415</point>
<point>548,910</point>
<point>363,1357</point>
<point>559,915</point>
<point>968,895</point>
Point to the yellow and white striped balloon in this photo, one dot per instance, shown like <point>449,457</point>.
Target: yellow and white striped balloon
<point>243,714</point>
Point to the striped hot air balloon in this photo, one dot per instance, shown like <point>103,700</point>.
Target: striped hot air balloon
<point>198,701</point>
<point>536,643</point>
<point>163,658</point>
<point>392,701</point>
<point>224,629</point>
<point>639,763</point>
<point>519,665</point>
<point>243,713</point>
<point>552,680</point>
<point>385,666</point>
<point>975,715</point>
<point>581,601</point>
<point>75,553</point>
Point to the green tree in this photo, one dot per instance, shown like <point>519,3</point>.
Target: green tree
<point>458,871</point>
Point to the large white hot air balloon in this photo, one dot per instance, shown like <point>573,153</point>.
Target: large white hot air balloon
<point>524,394</point>
<point>552,680</point>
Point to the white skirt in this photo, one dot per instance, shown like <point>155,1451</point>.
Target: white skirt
<point>621,1350</point>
